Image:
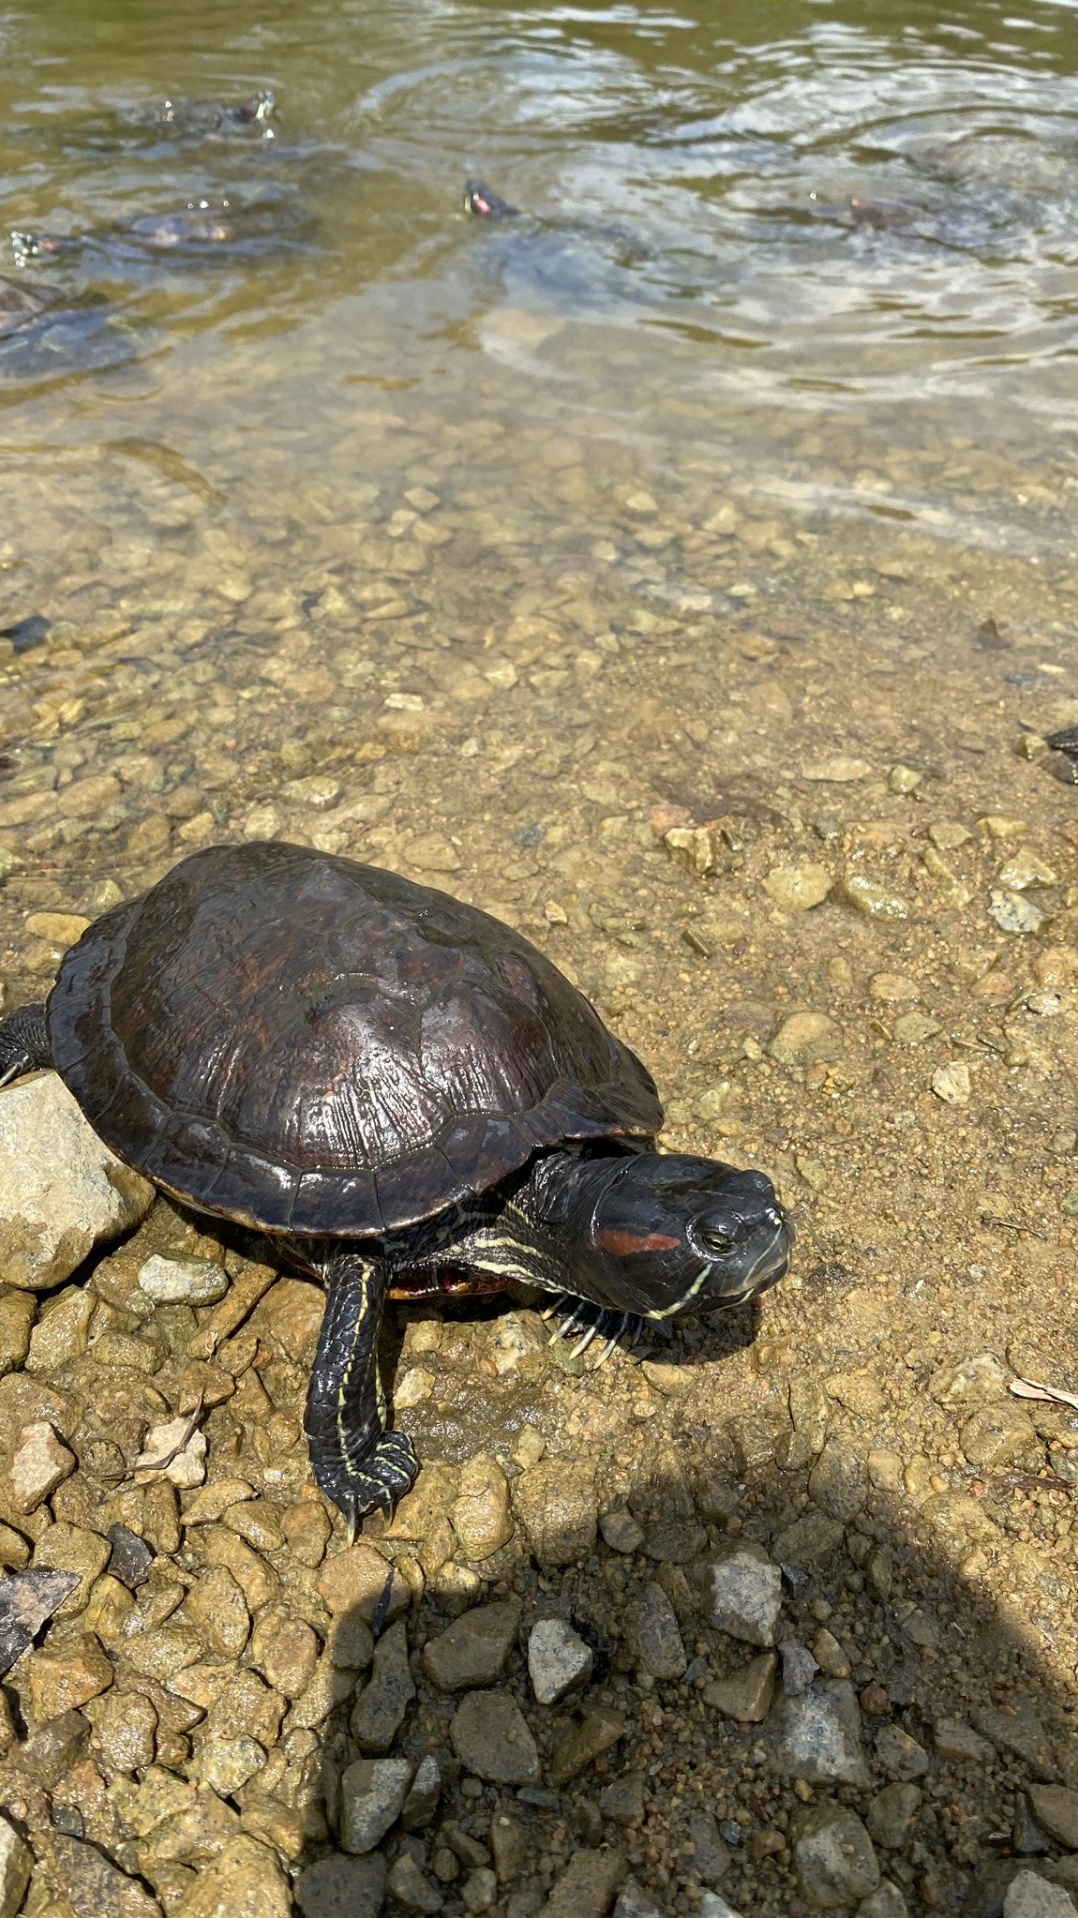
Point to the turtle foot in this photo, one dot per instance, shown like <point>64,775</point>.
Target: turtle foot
<point>372,1484</point>
<point>24,1044</point>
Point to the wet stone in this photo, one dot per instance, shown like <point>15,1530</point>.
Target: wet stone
<point>834,1857</point>
<point>216,1607</point>
<point>711,1859</point>
<point>746,1696</point>
<point>372,1796</point>
<point>491,1738</point>
<point>805,1037</point>
<point>620,1530</point>
<point>652,1634</point>
<point>1031,1896</point>
<point>799,1668</point>
<point>423,1794</point>
<point>124,1732</point>
<point>798,888</point>
<point>473,1650</point>
<point>381,1707</point>
<point>342,1887</point>
<point>243,1881</point>
<point>597,1731</point>
<point>90,1883</point>
<point>819,1736</point>
<point>746,1595</point>
<point>558,1660</point>
<point>66,1675</point>
<point>73,1548</point>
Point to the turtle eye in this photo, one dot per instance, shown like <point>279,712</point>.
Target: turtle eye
<point>717,1241</point>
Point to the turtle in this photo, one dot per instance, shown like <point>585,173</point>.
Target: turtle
<point>1061,759</point>
<point>202,229</point>
<point>393,1087</point>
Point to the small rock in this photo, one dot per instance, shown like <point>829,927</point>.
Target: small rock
<point>342,1887</point>
<point>16,1864</point>
<point>124,1732</point>
<point>558,1660</point>
<point>61,1190</point>
<point>951,1083</point>
<point>900,1753</point>
<point>833,1856</point>
<point>996,1434</point>
<point>64,1677</point>
<point>1055,1807</point>
<point>652,1635</point>
<point>621,1531</point>
<point>1025,869</point>
<point>93,1886</point>
<point>480,1515</point>
<point>819,1736</point>
<point>411,1888</point>
<point>904,779</point>
<point>1021,1732</point>
<point>182,1281</point>
<point>473,1650</point>
<point>491,1738</point>
<point>623,1801</point>
<point>372,1798</point>
<point>747,1696</point>
<point>799,1668</point>
<point>217,1609</point>
<point>839,1481</point>
<point>891,1814</point>
<point>509,1844</point>
<point>633,1903</point>
<point>912,1029</point>
<point>974,1381</point>
<point>746,1595</point>
<point>355,1581</point>
<point>673,1381</point>
<point>1031,1896</point>
<point>244,1880</point>
<point>805,1037</point>
<point>225,1765</point>
<point>586,1889</point>
<point>885,1902</point>
<point>798,888</point>
<point>479,1889</point>
<point>872,901</point>
<point>556,1501</point>
<point>712,1854</point>
<point>714,1905</point>
<point>173,1451</point>
<point>62,1332</point>
<point>432,852</point>
<point>382,1704</point>
<point>597,1731</point>
<point>953,1739</point>
<point>286,1650</point>
<point>40,1463</point>
<point>423,1794</point>
<point>27,1600</point>
<point>1013,912</point>
<point>130,1559</point>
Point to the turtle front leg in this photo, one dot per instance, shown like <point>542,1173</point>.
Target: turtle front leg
<point>24,1043</point>
<point>356,1462</point>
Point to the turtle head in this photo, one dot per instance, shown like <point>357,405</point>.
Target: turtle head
<point>479,199</point>
<point>671,1234</point>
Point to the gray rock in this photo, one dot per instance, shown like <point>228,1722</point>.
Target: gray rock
<point>16,1864</point>
<point>380,1709</point>
<point>1031,1896</point>
<point>341,1887</point>
<point>819,1736</point>
<point>892,1813</point>
<point>623,1799</point>
<point>423,1794</point>
<point>1055,1807</point>
<point>714,1905</point>
<point>41,1461</point>
<point>558,1660</point>
<point>474,1648</point>
<point>182,1281</point>
<point>746,1595</point>
<point>652,1634</point>
<point>834,1857</point>
<point>900,1753</point>
<point>411,1888</point>
<point>27,1599</point>
<point>799,1668</point>
<point>479,1889</point>
<point>885,1902</point>
<point>712,1860</point>
<point>372,1798</point>
<point>633,1903</point>
<point>557,1503</point>
<point>491,1738</point>
<point>61,1190</point>
<point>620,1530</point>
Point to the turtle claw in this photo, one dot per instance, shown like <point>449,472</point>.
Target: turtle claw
<point>601,1320</point>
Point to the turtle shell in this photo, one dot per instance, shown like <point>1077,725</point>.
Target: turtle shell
<point>312,1046</point>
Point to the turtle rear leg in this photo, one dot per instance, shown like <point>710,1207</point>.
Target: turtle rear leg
<point>356,1462</point>
<point>24,1043</point>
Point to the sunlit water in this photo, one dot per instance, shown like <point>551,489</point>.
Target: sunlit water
<point>783,283</point>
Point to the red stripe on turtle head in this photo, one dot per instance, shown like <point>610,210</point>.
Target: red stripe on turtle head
<point>623,1245</point>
